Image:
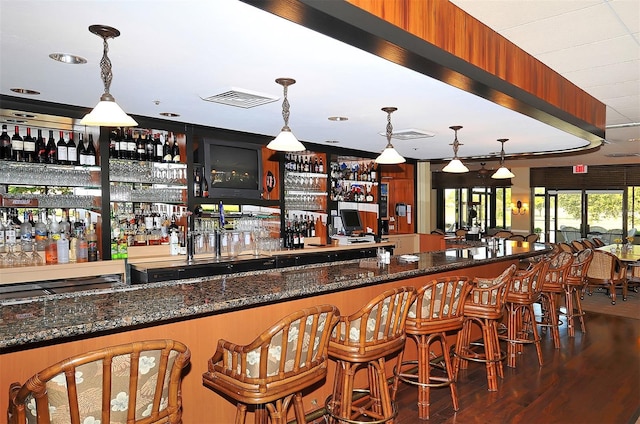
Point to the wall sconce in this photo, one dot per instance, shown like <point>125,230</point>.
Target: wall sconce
<point>519,208</point>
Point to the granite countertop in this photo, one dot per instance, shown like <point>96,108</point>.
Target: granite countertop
<point>49,318</point>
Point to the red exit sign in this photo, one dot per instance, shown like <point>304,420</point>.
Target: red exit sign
<point>579,169</point>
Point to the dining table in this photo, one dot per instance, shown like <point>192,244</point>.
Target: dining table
<point>623,252</point>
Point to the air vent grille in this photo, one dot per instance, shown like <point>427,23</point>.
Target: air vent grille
<point>622,155</point>
<point>409,134</point>
<point>241,98</point>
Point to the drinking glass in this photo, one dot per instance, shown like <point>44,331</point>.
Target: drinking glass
<point>10,259</point>
<point>36,259</point>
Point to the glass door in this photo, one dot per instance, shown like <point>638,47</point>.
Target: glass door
<point>568,215</point>
<point>604,217</point>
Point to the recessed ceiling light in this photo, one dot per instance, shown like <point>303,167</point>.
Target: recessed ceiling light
<point>169,114</point>
<point>332,141</point>
<point>24,115</point>
<point>338,118</point>
<point>25,91</point>
<point>16,121</point>
<point>71,59</point>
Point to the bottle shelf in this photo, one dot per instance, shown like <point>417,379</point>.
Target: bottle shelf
<point>305,174</point>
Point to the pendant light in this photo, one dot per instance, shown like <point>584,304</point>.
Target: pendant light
<point>286,141</point>
<point>107,113</point>
<point>389,155</point>
<point>455,166</point>
<point>502,172</point>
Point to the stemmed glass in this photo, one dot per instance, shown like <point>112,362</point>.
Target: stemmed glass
<point>36,259</point>
<point>24,258</point>
<point>10,259</point>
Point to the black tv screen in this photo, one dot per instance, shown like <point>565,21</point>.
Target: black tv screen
<point>232,169</point>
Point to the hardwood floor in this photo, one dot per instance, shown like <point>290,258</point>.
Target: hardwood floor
<point>593,378</point>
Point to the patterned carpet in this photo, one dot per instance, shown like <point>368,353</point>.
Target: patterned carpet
<point>599,302</point>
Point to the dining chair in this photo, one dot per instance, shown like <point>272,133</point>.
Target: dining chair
<point>134,383</point>
<point>609,272</point>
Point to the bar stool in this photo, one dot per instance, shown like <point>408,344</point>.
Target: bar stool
<point>276,367</point>
<point>364,340</point>
<point>484,306</point>
<point>553,284</point>
<point>523,292</point>
<point>436,311</point>
<point>575,288</point>
<point>137,382</point>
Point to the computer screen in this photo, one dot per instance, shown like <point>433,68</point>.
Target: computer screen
<point>350,221</point>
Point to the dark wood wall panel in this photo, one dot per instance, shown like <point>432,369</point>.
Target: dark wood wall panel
<point>448,27</point>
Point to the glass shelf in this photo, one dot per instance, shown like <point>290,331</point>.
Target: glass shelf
<point>123,170</point>
<point>42,174</point>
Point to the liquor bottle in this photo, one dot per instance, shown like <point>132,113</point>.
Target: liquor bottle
<point>321,166</point>
<point>61,150</point>
<point>141,147</point>
<point>92,244</point>
<point>82,151</point>
<point>149,147</point>
<point>166,150</point>
<point>29,146</point>
<point>17,146</point>
<point>52,149</point>
<point>91,154</point>
<point>41,148</point>
<point>63,249</point>
<point>82,247</point>
<point>25,229</point>
<point>158,146</point>
<point>72,155</point>
<point>175,151</point>
<point>372,172</point>
<point>5,144</point>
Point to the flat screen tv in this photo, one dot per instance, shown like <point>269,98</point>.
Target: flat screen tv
<point>351,221</point>
<point>232,169</point>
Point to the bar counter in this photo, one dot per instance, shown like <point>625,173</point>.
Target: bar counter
<point>36,332</point>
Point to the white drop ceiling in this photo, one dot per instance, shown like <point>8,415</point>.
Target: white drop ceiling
<point>171,54</point>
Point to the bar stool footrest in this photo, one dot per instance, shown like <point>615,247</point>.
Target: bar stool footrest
<point>329,407</point>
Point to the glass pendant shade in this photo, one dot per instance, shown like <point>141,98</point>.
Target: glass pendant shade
<point>389,155</point>
<point>456,167</point>
<point>286,142</point>
<point>107,113</point>
<point>502,173</point>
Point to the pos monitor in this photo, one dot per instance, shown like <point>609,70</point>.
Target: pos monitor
<point>351,221</point>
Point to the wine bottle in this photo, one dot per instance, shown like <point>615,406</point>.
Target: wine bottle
<point>29,146</point>
<point>166,150</point>
<point>91,153</point>
<point>158,145</point>
<point>17,146</point>
<point>72,151</point>
<point>149,147</point>
<point>205,187</point>
<point>52,149</point>
<point>175,151</point>
<point>5,144</point>
<point>61,150</point>
<point>141,148</point>
<point>122,149</point>
<point>41,148</point>
<point>82,151</point>
<point>197,184</point>
<point>131,145</point>
<point>114,144</point>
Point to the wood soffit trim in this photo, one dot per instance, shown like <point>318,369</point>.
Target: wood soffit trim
<point>439,40</point>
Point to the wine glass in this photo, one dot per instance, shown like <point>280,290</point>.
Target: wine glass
<point>36,259</point>
<point>10,259</point>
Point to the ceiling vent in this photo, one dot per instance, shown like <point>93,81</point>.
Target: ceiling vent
<point>409,134</point>
<point>240,97</point>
